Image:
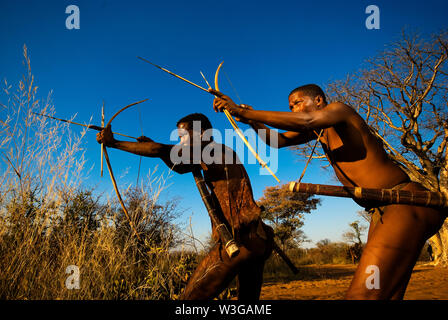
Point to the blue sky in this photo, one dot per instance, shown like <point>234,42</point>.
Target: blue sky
<point>269,48</point>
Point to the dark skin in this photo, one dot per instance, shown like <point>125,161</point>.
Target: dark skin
<point>216,270</point>
<point>358,159</point>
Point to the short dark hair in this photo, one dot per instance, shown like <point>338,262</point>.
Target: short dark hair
<point>311,90</point>
<point>205,123</point>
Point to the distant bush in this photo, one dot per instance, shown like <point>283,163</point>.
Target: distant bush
<point>325,252</point>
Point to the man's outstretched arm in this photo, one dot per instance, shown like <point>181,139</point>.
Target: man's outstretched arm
<point>276,139</point>
<point>332,114</point>
<point>144,147</point>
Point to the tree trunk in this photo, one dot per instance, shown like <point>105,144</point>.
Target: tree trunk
<point>439,244</point>
<point>439,241</point>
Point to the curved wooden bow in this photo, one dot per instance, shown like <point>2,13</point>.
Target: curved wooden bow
<point>229,116</point>
<point>112,177</point>
<point>238,130</point>
<point>102,145</point>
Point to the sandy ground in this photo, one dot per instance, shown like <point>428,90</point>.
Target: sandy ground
<point>330,282</point>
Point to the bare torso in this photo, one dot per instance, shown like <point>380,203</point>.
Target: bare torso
<point>231,186</point>
<point>357,157</point>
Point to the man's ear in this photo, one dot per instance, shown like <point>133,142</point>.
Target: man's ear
<point>319,100</point>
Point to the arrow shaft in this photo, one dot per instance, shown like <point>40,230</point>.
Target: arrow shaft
<point>89,126</point>
<point>174,75</point>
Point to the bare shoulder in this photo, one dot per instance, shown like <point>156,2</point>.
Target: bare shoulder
<point>340,107</point>
<point>340,113</point>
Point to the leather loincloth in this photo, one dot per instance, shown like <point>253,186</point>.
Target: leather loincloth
<point>377,212</point>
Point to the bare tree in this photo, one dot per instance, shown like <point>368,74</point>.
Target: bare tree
<point>355,233</point>
<point>365,215</point>
<point>402,94</point>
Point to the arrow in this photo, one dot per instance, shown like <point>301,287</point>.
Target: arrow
<point>89,126</point>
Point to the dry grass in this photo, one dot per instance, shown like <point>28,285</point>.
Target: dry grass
<point>49,220</point>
